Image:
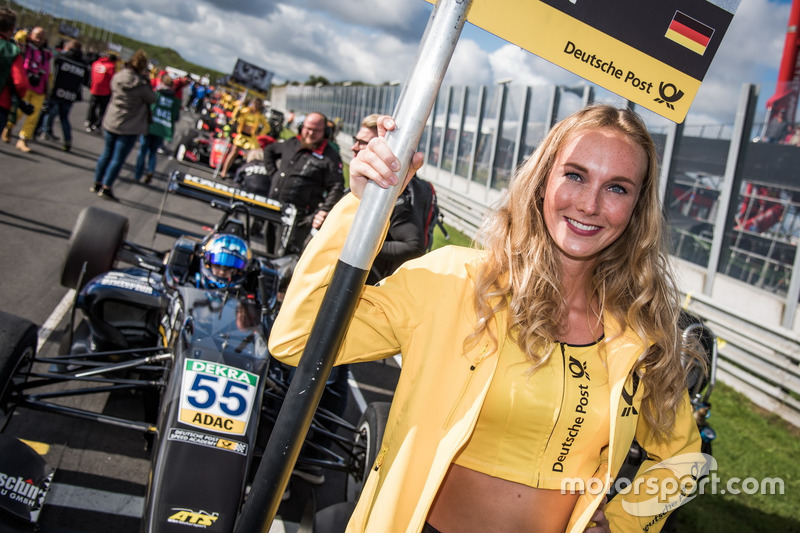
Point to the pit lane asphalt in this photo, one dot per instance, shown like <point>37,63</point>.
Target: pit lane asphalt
<point>102,471</point>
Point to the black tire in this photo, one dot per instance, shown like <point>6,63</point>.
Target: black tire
<point>696,379</point>
<point>96,239</point>
<point>18,339</point>
<point>706,447</point>
<point>369,436</point>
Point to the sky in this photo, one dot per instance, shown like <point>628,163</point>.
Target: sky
<point>375,41</point>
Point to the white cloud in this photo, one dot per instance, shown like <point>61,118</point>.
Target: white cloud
<point>510,61</point>
<point>750,53</point>
<point>376,41</point>
<point>469,65</point>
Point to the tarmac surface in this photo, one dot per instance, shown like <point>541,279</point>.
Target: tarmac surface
<point>102,471</point>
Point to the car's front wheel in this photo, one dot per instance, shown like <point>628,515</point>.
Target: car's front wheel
<point>183,146</point>
<point>367,444</point>
<point>95,241</point>
<point>18,340</point>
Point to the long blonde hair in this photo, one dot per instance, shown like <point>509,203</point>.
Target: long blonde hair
<point>632,279</point>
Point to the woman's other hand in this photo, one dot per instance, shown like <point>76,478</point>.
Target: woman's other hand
<point>378,164</point>
<point>601,524</point>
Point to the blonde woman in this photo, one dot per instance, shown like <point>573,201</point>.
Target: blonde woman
<point>529,366</point>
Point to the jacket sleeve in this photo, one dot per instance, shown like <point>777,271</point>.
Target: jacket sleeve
<point>149,96</point>
<point>19,77</point>
<point>404,240</point>
<point>334,181</point>
<point>271,155</point>
<point>385,315</point>
<point>670,468</point>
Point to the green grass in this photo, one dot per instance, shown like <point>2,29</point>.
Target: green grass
<point>750,443</point>
<point>456,237</point>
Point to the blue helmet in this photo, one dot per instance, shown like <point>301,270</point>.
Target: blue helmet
<point>225,260</point>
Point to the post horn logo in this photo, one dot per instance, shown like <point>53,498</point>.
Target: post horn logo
<point>668,94</point>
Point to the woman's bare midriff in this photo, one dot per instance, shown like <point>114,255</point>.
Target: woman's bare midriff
<point>469,501</point>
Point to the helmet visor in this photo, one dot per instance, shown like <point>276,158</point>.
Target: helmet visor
<point>226,259</point>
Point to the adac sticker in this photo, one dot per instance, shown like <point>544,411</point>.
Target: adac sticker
<point>217,397</point>
<point>189,517</point>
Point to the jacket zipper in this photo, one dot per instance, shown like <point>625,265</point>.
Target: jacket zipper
<point>560,403</point>
<point>478,360</point>
<point>380,457</point>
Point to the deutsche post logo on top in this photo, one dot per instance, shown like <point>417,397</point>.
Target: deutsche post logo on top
<point>653,53</point>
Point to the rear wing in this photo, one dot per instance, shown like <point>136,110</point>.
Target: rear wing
<point>230,199</point>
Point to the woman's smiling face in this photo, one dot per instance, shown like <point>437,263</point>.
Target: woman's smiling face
<point>591,192</point>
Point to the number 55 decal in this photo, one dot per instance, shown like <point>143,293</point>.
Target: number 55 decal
<point>217,397</point>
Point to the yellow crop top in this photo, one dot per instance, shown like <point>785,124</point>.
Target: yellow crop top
<point>537,429</point>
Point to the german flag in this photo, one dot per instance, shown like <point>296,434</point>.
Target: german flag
<point>689,32</point>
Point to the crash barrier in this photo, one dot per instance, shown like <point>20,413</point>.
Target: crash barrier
<point>733,208</point>
<point>761,362</point>
<point>461,212</point>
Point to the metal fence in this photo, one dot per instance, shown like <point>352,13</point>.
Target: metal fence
<point>732,201</point>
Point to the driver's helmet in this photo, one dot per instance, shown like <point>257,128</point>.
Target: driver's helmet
<point>224,262</point>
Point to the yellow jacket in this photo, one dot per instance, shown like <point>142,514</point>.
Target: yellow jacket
<point>424,311</point>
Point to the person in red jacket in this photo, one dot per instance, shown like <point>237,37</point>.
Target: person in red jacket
<point>178,84</point>
<point>12,70</point>
<point>103,70</point>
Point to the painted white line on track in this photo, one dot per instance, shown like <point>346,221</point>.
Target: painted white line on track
<point>356,390</point>
<point>103,464</point>
<point>55,317</point>
<point>101,501</point>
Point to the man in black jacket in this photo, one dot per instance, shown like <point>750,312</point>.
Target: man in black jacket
<point>306,172</point>
<point>405,239</point>
<point>69,75</point>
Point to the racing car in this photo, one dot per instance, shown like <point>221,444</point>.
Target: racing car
<point>208,143</point>
<point>143,321</point>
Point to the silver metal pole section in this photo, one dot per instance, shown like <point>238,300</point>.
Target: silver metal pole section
<point>674,136</point>
<point>462,113</point>
<point>498,133</point>
<point>588,95</point>
<point>445,126</point>
<point>552,112</point>
<point>792,294</point>
<point>431,124</point>
<point>476,138</point>
<point>741,136</point>
<point>519,140</point>
<point>426,75</point>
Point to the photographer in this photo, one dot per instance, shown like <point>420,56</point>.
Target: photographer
<point>36,61</point>
<point>12,72</point>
